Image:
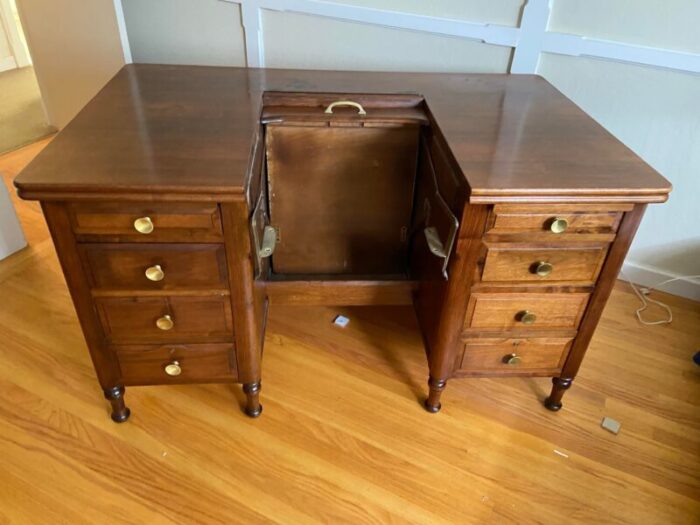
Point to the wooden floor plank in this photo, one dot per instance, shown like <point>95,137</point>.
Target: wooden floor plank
<point>343,438</point>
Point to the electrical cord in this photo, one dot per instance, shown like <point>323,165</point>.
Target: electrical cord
<point>643,296</point>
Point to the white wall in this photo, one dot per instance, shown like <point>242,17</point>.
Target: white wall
<point>202,32</point>
<point>292,40</point>
<point>654,111</point>
<point>76,48</point>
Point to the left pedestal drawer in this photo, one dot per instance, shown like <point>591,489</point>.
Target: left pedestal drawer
<point>166,319</point>
<point>176,363</point>
<point>146,267</point>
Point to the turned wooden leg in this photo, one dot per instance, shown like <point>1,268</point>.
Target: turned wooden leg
<point>559,386</point>
<point>253,408</point>
<point>436,386</point>
<point>115,396</point>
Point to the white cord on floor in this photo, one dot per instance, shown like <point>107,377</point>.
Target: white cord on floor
<point>643,297</point>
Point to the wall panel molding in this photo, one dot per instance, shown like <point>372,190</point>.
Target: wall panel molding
<point>529,40</point>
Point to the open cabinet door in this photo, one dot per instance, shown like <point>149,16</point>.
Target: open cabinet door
<point>442,259</point>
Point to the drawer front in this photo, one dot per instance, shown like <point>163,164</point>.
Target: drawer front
<point>177,363</point>
<point>526,311</point>
<point>144,319</point>
<point>558,221</point>
<point>146,222</point>
<point>505,263</point>
<point>155,266</point>
<point>514,355</point>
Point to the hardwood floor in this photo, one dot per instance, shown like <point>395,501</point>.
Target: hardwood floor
<point>343,438</point>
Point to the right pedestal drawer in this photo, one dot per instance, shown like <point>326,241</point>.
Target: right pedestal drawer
<point>579,264</point>
<point>525,311</point>
<point>517,356</point>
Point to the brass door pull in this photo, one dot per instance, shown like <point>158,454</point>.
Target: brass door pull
<point>144,225</point>
<point>173,368</point>
<point>165,323</point>
<point>526,317</point>
<point>559,225</point>
<point>360,109</point>
<point>434,243</point>
<point>512,359</point>
<point>543,269</point>
<point>155,273</point>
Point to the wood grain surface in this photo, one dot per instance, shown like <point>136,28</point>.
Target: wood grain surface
<point>512,137</point>
<point>344,438</point>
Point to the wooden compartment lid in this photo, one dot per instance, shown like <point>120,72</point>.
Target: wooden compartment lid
<point>342,109</point>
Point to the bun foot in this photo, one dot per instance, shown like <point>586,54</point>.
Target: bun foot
<point>559,386</point>
<point>115,396</point>
<point>253,412</point>
<point>433,409</point>
<point>551,405</point>
<point>252,408</point>
<point>435,386</point>
<point>121,417</point>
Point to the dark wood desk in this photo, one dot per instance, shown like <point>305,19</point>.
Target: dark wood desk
<point>185,201</point>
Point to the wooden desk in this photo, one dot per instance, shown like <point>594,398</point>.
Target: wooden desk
<point>185,201</point>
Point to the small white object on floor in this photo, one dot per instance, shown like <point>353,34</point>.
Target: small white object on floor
<point>560,453</point>
<point>611,425</point>
<point>341,321</point>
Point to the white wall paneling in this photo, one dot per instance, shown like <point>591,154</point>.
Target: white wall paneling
<point>121,25</point>
<point>529,39</point>
<point>20,57</point>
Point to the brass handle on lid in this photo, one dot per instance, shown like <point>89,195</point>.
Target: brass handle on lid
<point>143,225</point>
<point>559,225</point>
<point>155,273</point>
<point>543,269</point>
<point>512,359</point>
<point>526,317</point>
<point>173,368</point>
<point>165,323</point>
<point>360,109</point>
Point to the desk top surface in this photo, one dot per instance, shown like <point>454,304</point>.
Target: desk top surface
<point>188,130</point>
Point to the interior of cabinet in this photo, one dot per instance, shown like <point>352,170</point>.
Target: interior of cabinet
<point>348,189</point>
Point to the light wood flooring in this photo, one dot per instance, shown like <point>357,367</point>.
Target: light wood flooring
<point>343,438</point>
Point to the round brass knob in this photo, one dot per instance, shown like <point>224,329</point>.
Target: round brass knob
<point>559,225</point>
<point>173,368</point>
<point>143,225</point>
<point>155,273</point>
<point>512,359</point>
<point>526,317</point>
<point>165,323</point>
<point>543,269</point>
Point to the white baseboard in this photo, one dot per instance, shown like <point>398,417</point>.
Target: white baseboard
<point>7,63</point>
<point>648,276</point>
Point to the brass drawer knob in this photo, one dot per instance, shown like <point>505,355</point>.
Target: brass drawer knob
<point>173,368</point>
<point>143,225</point>
<point>155,273</point>
<point>526,317</point>
<point>559,225</point>
<point>512,359</point>
<point>543,269</point>
<point>165,323</point>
